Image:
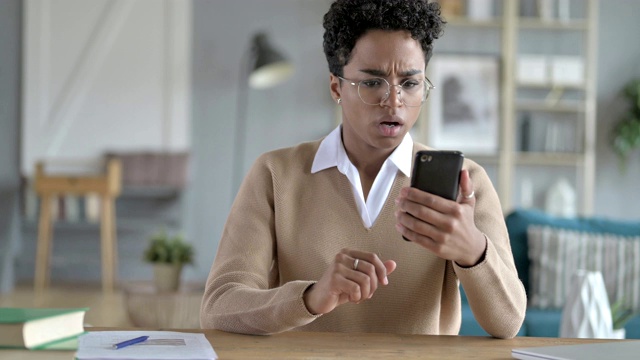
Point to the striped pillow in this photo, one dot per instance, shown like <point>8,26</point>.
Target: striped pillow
<point>555,254</point>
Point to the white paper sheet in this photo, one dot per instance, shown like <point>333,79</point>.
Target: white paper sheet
<point>161,345</point>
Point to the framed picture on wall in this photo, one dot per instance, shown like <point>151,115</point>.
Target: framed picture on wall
<point>464,107</point>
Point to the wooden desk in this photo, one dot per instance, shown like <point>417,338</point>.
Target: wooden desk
<point>305,345</point>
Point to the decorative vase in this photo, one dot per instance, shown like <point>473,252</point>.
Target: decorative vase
<point>618,334</point>
<point>561,199</point>
<point>480,9</point>
<point>545,10</point>
<point>587,313</point>
<point>167,277</point>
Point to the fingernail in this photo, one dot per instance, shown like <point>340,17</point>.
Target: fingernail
<point>385,281</point>
<point>397,201</point>
<point>398,227</point>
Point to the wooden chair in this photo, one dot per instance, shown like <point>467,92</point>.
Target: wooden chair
<point>108,187</point>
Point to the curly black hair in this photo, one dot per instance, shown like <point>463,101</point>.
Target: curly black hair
<point>347,20</point>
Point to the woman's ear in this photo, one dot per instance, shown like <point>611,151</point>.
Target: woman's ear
<point>334,87</point>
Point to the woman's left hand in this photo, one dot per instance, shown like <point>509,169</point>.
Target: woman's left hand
<point>444,227</point>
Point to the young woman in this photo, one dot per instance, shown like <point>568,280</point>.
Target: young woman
<point>314,240</point>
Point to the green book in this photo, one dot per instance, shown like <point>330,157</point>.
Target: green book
<point>39,328</point>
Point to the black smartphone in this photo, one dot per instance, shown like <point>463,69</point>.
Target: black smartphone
<point>437,172</point>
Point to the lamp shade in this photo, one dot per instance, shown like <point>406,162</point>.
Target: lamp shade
<point>270,67</point>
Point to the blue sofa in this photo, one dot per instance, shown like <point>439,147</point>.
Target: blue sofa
<point>546,322</point>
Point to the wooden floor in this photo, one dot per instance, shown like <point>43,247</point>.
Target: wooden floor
<point>104,310</point>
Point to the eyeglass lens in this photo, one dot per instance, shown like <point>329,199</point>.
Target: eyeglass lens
<point>412,92</point>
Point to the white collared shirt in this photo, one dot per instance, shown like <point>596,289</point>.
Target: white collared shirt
<point>331,153</point>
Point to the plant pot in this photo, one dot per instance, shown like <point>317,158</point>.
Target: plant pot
<point>167,277</point>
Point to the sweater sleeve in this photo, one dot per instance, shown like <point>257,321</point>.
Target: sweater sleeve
<point>494,291</point>
<point>242,293</point>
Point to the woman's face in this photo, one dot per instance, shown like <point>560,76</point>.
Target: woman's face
<point>396,57</point>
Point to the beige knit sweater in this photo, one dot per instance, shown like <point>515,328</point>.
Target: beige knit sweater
<point>286,226</point>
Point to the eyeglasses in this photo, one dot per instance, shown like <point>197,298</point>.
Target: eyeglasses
<point>376,90</point>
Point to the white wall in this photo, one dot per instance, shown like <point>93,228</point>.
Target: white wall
<point>104,75</point>
<point>617,193</point>
<point>10,36</point>
<point>298,110</point>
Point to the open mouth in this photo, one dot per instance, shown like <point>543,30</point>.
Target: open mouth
<point>390,128</point>
<point>390,123</point>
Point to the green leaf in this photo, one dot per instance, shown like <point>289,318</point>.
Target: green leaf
<point>621,314</point>
<point>169,250</point>
<point>625,135</point>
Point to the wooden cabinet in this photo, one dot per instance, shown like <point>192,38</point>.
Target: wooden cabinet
<point>76,255</point>
<point>107,185</point>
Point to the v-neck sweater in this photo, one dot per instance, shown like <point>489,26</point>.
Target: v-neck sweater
<point>287,225</point>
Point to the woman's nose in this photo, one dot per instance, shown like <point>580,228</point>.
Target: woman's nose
<point>395,97</point>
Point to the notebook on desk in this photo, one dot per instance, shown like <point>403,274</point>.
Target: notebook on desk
<point>619,350</point>
<point>159,345</point>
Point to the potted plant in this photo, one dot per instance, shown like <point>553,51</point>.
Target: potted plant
<point>168,255</point>
<point>620,315</point>
<point>625,137</point>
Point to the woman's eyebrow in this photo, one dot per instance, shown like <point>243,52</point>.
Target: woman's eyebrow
<point>380,73</point>
<point>411,72</point>
<point>374,72</point>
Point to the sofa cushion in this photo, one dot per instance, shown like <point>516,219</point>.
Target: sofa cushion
<point>556,254</point>
<point>543,323</point>
<point>519,220</point>
<point>633,328</point>
<point>469,326</point>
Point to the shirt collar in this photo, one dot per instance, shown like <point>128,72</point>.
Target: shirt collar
<point>331,153</point>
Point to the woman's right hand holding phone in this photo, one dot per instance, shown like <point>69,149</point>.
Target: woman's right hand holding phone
<point>442,226</point>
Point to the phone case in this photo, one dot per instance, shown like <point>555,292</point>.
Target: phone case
<point>437,172</point>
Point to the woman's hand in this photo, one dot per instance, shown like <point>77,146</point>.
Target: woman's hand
<point>442,226</point>
<point>353,276</point>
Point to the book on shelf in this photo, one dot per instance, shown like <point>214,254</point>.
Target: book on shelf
<point>72,208</point>
<point>92,208</point>
<point>39,328</point>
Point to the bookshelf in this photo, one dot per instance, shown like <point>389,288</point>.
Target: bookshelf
<point>561,115</point>
<point>571,106</point>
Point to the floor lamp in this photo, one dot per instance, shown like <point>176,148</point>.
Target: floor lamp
<point>264,67</point>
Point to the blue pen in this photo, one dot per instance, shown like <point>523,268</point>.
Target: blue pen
<point>137,340</point>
